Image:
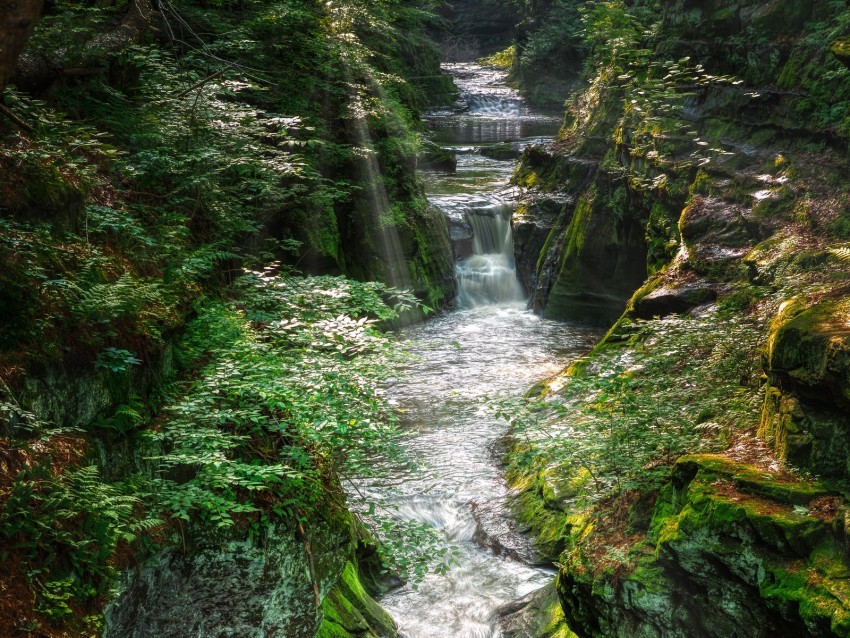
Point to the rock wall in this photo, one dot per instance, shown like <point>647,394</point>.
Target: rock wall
<point>729,552</point>
<point>726,207</point>
<point>252,588</point>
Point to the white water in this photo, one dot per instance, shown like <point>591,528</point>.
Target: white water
<point>490,345</point>
<point>489,277</point>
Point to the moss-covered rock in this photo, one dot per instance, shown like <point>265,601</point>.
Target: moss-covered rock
<point>349,611</point>
<point>227,585</point>
<point>537,615</point>
<point>664,301</point>
<point>729,552</point>
<point>602,263</point>
<point>434,157</point>
<point>503,151</point>
<point>812,351</point>
<point>808,361</point>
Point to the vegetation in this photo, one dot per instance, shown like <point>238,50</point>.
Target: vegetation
<point>211,215</point>
<point>685,162</point>
<point>153,163</point>
<point>615,423</point>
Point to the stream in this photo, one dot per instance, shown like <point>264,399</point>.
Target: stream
<point>490,344</point>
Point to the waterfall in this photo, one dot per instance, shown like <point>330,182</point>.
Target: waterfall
<point>488,277</point>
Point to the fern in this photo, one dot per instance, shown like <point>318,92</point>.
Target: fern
<point>69,527</point>
<point>841,253</point>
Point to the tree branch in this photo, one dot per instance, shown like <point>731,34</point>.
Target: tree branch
<point>5,110</point>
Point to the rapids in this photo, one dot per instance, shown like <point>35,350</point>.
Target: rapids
<point>489,345</point>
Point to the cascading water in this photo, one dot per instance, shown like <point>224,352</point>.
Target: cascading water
<point>489,345</point>
<point>488,277</point>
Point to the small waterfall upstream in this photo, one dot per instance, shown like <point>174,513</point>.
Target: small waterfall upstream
<point>489,345</point>
<point>488,277</point>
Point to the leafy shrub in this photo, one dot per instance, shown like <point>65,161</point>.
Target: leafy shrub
<point>287,397</point>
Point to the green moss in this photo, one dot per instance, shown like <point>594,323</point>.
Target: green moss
<point>504,59</point>
<point>349,611</point>
<point>552,622</point>
<point>753,480</point>
<point>534,507</point>
<point>817,589</point>
<point>792,71</point>
<point>813,348</point>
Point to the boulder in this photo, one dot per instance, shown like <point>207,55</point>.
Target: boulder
<point>668,301</point>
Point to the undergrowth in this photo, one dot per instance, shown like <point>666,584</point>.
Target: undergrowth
<point>280,402</point>
<point>133,200</point>
<point>655,390</point>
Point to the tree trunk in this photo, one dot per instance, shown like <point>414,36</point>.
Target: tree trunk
<point>17,19</point>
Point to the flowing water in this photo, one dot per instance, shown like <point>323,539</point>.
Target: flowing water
<point>489,345</point>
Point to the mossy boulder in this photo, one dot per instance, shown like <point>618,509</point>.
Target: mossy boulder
<point>807,434</point>
<point>434,157</point>
<point>730,552</point>
<point>541,507</point>
<point>225,583</point>
<point>349,611</point>
<point>504,151</point>
<point>717,234</point>
<point>812,351</point>
<point>808,362</point>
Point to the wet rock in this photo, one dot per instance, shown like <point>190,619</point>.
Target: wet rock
<point>461,235</point>
<point>435,157</point>
<point>532,224</point>
<point>603,262</point>
<point>537,615</point>
<point>505,151</point>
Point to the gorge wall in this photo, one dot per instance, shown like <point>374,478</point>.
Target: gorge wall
<point>697,200</point>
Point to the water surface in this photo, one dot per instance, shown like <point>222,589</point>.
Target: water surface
<point>489,345</point>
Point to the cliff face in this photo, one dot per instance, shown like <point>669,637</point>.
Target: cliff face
<point>476,27</point>
<point>759,80</point>
<point>697,198</point>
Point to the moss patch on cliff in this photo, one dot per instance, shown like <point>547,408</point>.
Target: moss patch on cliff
<point>349,611</point>
<point>713,529</point>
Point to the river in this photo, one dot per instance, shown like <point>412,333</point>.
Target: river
<point>490,344</point>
